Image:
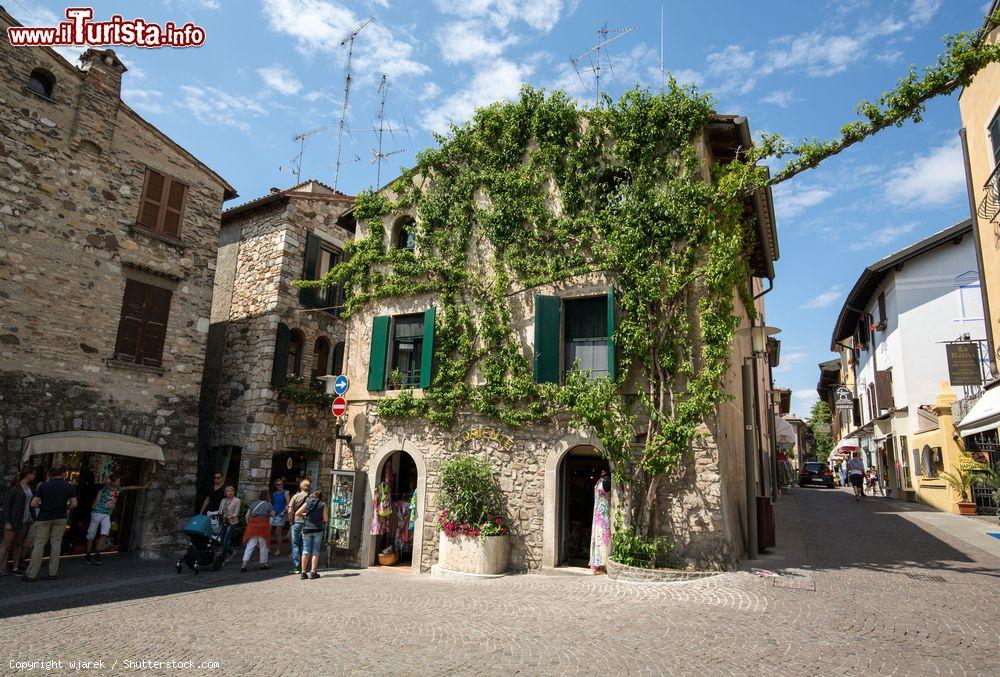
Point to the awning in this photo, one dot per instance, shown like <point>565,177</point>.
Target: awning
<point>844,448</point>
<point>984,415</point>
<point>784,433</point>
<point>92,442</point>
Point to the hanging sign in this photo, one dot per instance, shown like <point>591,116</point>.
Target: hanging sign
<point>339,406</point>
<point>964,364</point>
<point>843,398</point>
<point>340,384</point>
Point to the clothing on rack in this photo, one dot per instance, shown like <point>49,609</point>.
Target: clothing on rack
<point>600,532</point>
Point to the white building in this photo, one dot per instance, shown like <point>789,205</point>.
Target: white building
<point>894,328</point>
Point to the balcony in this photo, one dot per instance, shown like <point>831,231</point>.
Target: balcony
<point>989,207</point>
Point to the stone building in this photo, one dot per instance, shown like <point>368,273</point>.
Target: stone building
<point>265,411</point>
<point>547,468</point>
<point>107,259</point>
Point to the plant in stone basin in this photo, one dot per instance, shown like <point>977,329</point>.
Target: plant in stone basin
<point>472,502</point>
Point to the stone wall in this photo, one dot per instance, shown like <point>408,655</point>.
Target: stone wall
<point>71,175</point>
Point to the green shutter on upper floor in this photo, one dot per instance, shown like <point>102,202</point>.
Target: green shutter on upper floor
<point>279,366</point>
<point>308,296</point>
<point>546,357</point>
<point>379,353</point>
<point>612,325</point>
<point>427,350</point>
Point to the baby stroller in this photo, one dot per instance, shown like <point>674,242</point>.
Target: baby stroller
<point>206,546</point>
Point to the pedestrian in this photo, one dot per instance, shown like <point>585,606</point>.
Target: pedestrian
<point>215,495</point>
<point>280,502</point>
<point>315,515</point>
<point>843,474</point>
<point>100,515</point>
<point>295,532</point>
<point>258,525</point>
<point>51,501</point>
<point>856,470</point>
<point>229,511</point>
<point>17,517</point>
<point>873,483</point>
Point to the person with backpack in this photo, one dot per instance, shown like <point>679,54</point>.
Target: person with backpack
<point>258,529</point>
<point>295,532</point>
<point>315,514</point>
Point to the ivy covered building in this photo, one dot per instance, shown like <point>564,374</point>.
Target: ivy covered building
<point>565,292</point>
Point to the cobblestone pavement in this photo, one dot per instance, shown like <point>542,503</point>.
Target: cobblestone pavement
<point>861,589</point>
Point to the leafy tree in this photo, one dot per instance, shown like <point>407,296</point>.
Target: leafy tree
<point>820,422</point>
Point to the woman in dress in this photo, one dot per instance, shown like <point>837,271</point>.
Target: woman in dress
<point>600,533</point>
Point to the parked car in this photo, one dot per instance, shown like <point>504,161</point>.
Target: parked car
<point>816,473</point>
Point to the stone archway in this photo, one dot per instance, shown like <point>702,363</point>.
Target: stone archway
<point>550,495</point>
<point>378,459</point>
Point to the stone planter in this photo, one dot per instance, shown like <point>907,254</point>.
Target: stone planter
<point>473,555</point>
<point>966,508</point>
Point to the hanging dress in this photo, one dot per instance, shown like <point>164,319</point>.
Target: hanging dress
<point>600,531</point>
<point>381,509</point>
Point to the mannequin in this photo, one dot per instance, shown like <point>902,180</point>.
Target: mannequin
<point>600,532</point>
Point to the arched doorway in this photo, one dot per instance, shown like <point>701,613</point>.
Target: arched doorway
<point>579,471</point>
<point>394,498</point>
<point>294,465</point>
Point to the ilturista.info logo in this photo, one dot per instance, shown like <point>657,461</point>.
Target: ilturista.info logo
<point>81,30</point>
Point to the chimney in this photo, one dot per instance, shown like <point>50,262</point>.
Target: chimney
<point>97,107</point>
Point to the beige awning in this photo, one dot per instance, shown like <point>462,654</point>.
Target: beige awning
<point>92,442</point>
<point>984,415</point>
<point>785,433</point>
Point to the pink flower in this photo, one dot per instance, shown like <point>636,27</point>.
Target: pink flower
<point>498,521</point>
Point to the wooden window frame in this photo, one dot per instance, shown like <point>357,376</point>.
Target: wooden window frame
<point>161,204</point>
<point>137,357</point>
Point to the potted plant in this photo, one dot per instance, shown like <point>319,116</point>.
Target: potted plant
<point>396,379</point>
<point>961,481</point>
<point>473,521</point>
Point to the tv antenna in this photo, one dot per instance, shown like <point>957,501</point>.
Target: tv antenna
<point>301,139</point>
<point>594,55</point>
<point>663,79</point>
<point>379,130</point>
<point>349,41</point>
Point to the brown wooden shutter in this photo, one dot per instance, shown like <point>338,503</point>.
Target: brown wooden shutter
<point>173,207</point>
<point>130,324</point>
<point>152,199</point>
<point>881,308</point>
<point>883,389</point>
<point>154,329</point>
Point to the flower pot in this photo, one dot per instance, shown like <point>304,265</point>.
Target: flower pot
<point>387,559</point>
<point>474,555</point>
<point>966,508</point>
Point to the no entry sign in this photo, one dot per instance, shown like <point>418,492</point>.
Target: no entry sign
<point>339,406</point>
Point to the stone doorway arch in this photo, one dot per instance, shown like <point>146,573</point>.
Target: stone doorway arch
<point>551,494</point>
<point>375,468</point>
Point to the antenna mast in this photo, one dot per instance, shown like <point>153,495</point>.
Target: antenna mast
<point>301,140</point>
<point>595,54</point>
<point>349,41</point>
<point>378,155</point>
<point>663,80</point>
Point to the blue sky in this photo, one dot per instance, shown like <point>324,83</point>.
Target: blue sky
<point>271,69</point>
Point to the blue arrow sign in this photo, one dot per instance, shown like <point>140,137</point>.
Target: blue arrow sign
<point>340,384</point>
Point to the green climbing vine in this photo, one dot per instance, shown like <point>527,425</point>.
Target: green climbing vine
<point>537,191</point>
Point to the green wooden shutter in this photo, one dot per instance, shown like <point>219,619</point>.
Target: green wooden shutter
<point>611,334</point>
<point>308,295</point>
<point>279,367</point>
<point>379,352</point>
<point>546,366</point>
<point>427,350</point>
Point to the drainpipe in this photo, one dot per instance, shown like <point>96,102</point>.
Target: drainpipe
<point>983,287</point>
<point>749,447</point>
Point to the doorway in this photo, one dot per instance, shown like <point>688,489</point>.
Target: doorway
<point>293,466</point>
<point>579,472</point>
<point>394,498</point>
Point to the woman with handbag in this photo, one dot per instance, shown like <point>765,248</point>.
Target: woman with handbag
<point>229,510</point>
<point>258,529</point>
<point>17,517</point>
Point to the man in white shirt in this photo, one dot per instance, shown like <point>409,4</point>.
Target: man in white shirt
<point>856,470</point>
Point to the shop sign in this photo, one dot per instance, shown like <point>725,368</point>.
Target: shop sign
<point>474,434</point>
<point>843,398</point>
<point>964,364</point>
<point>339,406</point>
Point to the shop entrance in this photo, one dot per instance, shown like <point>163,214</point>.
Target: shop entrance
<point>579,472</point>
<point>87,471</point>
<point>293,466</point>
<point>394,498</point>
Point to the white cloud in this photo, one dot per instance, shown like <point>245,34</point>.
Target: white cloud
<point>500,80</point>
<point>791,201</point>
<point>280,79</point>
<point>465,41</point>
<point>929,180</point>
<point>781,98</point>
<point>824,299</point>
<point>430,91</point>
<point>889,57</point>
<point>213,106</point>
<point>318,26</point>
<point>145,100</point>
<point>805,398</point>
<point>922,11</point>
<point>882,236</point>
<point>542,15</point>
<point>790,360</point>
<point>686,76</point>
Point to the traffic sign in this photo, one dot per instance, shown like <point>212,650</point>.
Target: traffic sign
<point>339,406</point>
<point>340,384</point>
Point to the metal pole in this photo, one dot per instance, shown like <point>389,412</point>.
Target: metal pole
<point>749,463</point>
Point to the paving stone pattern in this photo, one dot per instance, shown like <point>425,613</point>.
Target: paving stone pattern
<point>861,590</point>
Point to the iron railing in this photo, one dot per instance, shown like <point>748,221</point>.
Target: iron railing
<point>989,207</point>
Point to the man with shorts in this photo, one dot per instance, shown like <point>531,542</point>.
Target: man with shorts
<point>100,515</point>
<point>856,470</point>
<point>297,521</point>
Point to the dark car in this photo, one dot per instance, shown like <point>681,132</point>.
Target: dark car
<point>816,473</point>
